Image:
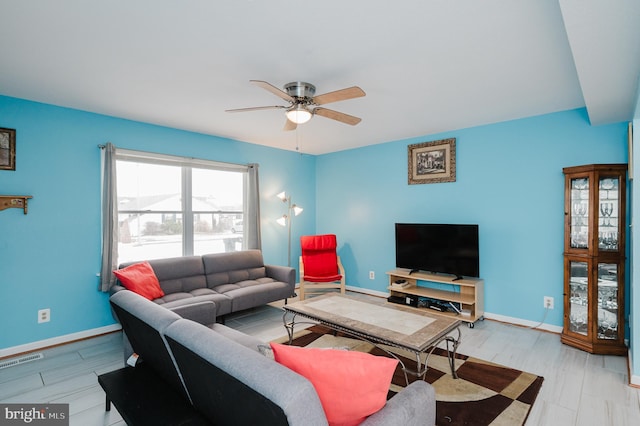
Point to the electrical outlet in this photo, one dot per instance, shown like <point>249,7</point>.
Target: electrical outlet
<point>548,302</point>
<point>44,315</point>
<point>372,275</point>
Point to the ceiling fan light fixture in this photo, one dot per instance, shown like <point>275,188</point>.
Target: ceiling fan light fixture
<point>303,104</point>
<point>298,114</point>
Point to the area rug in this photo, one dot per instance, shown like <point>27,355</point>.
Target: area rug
<point>484,393</point>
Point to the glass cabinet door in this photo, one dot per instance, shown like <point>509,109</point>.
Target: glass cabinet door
<point>579,298</point>
<point>607,301</point>
<point>580,213</point>
<point>609,209</point>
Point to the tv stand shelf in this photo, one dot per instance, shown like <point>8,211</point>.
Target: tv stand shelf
<point>466,294</point>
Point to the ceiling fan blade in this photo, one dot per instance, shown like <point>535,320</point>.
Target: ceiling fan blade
<point>289,125</point>
<point>339,95</point>
<point>339,116</point>
<point>273,89</point>
<point>255,108</point>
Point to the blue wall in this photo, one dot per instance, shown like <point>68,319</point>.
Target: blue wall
<point>49,258</point>
<point>509,181</point>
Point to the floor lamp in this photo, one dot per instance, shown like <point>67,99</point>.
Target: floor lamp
<point>285,220</point>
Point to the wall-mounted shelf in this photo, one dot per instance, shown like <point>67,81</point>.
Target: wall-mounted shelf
<point>15,201</point>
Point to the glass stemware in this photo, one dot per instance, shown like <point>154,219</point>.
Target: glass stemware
<point>607,183</point>
<point>606,209</point>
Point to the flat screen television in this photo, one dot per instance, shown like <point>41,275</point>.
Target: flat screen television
<point>438,248</point>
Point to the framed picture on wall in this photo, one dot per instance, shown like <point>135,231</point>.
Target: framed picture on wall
<point>432,162</point>
<point>7,149</point>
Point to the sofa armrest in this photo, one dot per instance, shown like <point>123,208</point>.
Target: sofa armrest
<point>201,312</point>
<point>282,273</point>
<point>414,405</point>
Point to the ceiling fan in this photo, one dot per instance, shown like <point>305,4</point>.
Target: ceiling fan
<point>303,104</point>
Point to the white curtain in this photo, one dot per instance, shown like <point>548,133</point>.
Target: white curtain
<point>109,217</point>
<point>252,206</point>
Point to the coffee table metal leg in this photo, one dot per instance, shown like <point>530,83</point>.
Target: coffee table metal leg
<point>289,325</point>
<point>451,353</point>
<point>452,356</point>
<point>421,371</point>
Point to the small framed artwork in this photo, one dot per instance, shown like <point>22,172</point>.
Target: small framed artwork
<point>432,162</point>
<point>7,149</point>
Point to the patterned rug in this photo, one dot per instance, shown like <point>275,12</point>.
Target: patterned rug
<point>484,393</point>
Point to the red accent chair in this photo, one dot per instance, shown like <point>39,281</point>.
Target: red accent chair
<point>320,265</point>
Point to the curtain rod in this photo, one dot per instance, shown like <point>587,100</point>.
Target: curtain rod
<point>102,146</point>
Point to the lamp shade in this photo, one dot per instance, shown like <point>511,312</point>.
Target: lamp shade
<point>299,114</point>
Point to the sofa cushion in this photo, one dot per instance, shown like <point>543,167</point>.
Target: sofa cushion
<point>250,293</point>
<point>140,278</point>
<point>225,268</point>
<point>351,385</point>
<point>180,274</point>
<point>172,300</point>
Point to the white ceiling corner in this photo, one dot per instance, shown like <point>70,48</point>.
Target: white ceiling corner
<point>426,66</point>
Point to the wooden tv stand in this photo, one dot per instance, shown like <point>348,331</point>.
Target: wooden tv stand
<point>466,294</point>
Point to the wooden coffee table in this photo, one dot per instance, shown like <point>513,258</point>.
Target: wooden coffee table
<point>379,323</point>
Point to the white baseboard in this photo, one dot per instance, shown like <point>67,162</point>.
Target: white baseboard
<point>360,290</point>
<point>523,322</point>
<point>67,338</point>
<point>368,291</point>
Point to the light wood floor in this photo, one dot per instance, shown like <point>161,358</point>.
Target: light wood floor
<point>579,388</point>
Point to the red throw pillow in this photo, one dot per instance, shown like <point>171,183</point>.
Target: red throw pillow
<point>140,279</point>
<point>351,385</point>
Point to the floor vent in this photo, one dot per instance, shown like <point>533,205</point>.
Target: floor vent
<point>21,360</point>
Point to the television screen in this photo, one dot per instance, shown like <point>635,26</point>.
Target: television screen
<point>438,248</point>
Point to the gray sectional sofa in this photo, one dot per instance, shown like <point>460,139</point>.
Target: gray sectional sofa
<point>233,281</point>
<point>191,374</point>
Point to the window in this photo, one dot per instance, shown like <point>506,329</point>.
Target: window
<point>174,206</point>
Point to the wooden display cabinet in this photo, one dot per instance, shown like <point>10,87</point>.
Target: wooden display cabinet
<point>594,257</point>
<point>464,296</point>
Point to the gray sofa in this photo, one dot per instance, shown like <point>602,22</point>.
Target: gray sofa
<point>233,281</point>
<point>191,374</point>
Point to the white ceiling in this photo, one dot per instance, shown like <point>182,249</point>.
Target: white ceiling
<point>427,66</point>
